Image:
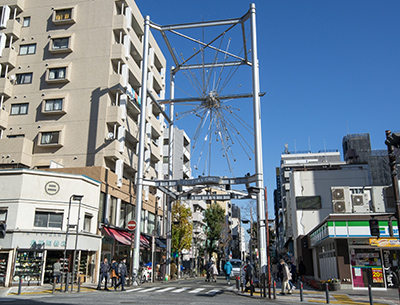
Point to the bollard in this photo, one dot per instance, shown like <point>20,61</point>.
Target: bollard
<point>251,288</point>
<point>301,291</point>
<point>241,285</point>
<point>20,285</point>
<point>62,281</point>
<point>67,283</point>
<point>237,282</point>
<point>371,301</point>
<point>79,284</point>
<point>274,290</point>
<point>54,284</point>
<point>327,293</point>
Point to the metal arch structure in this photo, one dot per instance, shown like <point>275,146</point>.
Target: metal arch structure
<point>167,185</point>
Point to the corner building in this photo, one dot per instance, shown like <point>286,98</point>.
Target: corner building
<point>70,83</point>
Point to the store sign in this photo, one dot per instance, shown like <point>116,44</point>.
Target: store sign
<point>377,275</point>
<point>52,188</point>
<point>384,242</point>
<point>47,243</point>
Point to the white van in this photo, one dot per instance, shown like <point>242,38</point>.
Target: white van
<point>236,266</point>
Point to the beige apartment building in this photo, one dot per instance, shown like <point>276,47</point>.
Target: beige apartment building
<point>70,81</point>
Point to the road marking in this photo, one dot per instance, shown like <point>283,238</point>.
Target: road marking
<point>214,291</point>
<point>181,290</point>
<point>197,290</point>
<point>165,289</point>
<point>149,289</point>
<point>135,289</point>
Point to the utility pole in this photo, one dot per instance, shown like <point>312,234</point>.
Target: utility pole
<point>392,141</point>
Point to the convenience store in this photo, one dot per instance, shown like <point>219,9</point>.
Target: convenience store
<point>343,248</point>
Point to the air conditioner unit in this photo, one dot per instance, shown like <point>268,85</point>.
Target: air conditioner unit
<point>357,199</point>
<point>340,200</point>
<point>378,199</point>
<point>361,201</point>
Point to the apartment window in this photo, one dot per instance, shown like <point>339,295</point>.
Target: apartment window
<point>57,73</point>
<point>60,43</point>
<point>14,136</point>
<point>52,137</point>
<point>64,14</point>
<point>87,222</point>
<point>53,105</point>
<point>48,219</point>
<point>26,22</point>
<point>27,49</point>
<point>24,78</point>
<point>17,109</point>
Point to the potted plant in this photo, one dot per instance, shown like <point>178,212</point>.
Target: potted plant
<point>334,284</point>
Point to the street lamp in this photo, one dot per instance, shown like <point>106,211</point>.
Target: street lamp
<point>75,198</point>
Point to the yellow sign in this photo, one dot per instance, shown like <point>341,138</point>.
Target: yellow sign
<point>384,242</point>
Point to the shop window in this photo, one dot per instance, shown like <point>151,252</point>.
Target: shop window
<point>27,49</point>
<point>18,109</point>
<point>50,138</point>
<point>3,215</point>
<point>48,219</point>
<point>87,222</point>
<point>26,22</point>
<point>24,78</point>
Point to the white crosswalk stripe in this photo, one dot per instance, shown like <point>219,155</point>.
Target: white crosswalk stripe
<point>149,289</point>
<point>197,290</point>
<point>214,291</point>
<point>165,289</point>
<point>135,289</point>
<point>181,290</point>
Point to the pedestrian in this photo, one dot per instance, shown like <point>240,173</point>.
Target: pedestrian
<point>275,271</point>
<point>286,278</point>
<point>57,271</point>
<point>248,275</point>
<point>104,269</point>
<point>228,269</point>
<point>213,270</point>
<point>114,273</point>
<point>122,273</point>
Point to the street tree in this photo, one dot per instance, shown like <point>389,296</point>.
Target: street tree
<point>214,218</point>
<point>182,229</point>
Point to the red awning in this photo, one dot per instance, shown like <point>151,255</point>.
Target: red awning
<point>125,237</point>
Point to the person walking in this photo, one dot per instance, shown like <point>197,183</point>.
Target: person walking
<point>248,275</point>
<point>104,269</point>
<point>228,269</point>
<point>122,273</point>
<point>213,271</point>
<point>286,278</point>
<point>114,273</point>
<point>57,271</point>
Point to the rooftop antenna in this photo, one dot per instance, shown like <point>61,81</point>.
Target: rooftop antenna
<point>309,145</point>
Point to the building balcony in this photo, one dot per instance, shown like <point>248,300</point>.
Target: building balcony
<point>114,115</point>
<point>198,217</point>
<point>16,151</point>
<point>13,28</point>
<point>111,151</point>
<point>115,83</point>
<point>3,119</point>
<point>155,151</point>
<point>120,23</point>
<point>150,172</point>
<point>130,158</point>
<point>199,204</point>
<point>118,51</point>
<point>19,4</point>
<point>6,87</point>
<point>9,56</point>
<point>155,124</point>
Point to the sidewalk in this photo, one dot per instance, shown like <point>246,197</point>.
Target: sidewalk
<point>310,295</point>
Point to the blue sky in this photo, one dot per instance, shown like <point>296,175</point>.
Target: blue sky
<point>328,68</point>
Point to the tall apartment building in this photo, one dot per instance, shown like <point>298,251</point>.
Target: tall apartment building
<point>69,85</point>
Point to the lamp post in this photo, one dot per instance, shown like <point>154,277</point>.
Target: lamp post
<point>79,198</point>
<point>76,198</point>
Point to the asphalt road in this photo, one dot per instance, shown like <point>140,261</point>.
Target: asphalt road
<point>192,291</point>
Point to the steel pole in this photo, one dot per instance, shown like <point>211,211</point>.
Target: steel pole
<point>142,139</point>
<point>76,245</point>
<point>66,240</point>
<point>258,142</point>
<point>395,181</point>
<point>170,171</point>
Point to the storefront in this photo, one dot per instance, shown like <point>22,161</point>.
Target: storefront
<point>343,248</point>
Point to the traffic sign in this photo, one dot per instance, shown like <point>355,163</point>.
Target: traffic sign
<point>131,225</point>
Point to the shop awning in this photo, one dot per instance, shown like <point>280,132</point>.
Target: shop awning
<point>160,243</point>
<point>124,237</point>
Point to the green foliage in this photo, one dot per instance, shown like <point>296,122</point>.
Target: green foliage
<point>215,219</point>
<point>182,228</point>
